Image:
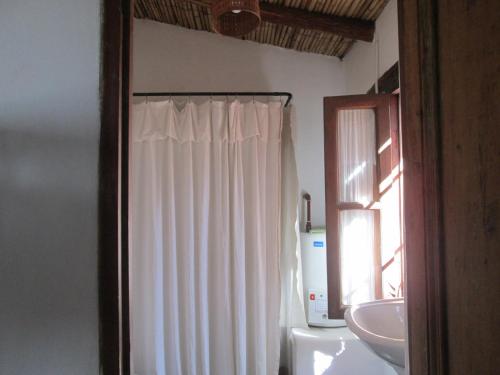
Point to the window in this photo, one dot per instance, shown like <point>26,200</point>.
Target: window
<point>363,191</point>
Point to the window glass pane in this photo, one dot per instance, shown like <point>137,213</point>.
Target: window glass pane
<point>356,167</point>
<point>392,285</point>
<point>356,256</point>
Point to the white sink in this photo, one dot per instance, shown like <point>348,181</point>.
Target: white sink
<point>380,324</point>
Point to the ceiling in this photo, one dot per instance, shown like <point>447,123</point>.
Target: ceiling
<point>327,27</point>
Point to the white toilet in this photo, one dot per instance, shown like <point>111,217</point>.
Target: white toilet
<point>327,347</point>
<point>333,351</point>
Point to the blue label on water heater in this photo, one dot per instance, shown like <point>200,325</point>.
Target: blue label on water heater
<point>318,244</point>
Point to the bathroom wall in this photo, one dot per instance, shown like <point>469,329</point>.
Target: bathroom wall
<point>360,61</point>
<point>49,135</point>
<point>168,58</point>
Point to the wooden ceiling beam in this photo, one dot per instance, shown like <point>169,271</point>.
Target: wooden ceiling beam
<point>352,28</point>
<point>347,27</point>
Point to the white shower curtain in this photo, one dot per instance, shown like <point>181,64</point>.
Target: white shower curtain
<point>292,313</point>
<point>205,238</point>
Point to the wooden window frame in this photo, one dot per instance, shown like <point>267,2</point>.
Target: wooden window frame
<point>385,108</point>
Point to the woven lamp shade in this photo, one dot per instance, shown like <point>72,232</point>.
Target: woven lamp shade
<point>235,17</point>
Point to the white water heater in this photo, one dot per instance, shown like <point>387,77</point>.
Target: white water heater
<point>313,253</point>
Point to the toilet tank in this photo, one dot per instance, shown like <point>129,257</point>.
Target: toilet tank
<point>333,351</point>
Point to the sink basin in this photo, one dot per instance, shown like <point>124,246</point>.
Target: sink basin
<point>380,325</point>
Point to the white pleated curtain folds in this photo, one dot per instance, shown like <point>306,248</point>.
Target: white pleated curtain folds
<point>292,313</point>
<point>356,133</point>
<point>205,238</point>
<point>357,161</point>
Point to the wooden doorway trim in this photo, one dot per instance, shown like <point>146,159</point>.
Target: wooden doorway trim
<point>425,297</point>
<point>423,213</point>
<point>114,340</point>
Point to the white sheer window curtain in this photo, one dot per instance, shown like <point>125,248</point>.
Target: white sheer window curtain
<point>205,238</point>
<point>356,145</point>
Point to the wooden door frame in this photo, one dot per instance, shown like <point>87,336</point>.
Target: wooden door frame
<point>424,258</point>
<point>114,336</point>
<point>422,187</point>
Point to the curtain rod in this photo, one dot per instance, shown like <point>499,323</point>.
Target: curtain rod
<point>287,94</point>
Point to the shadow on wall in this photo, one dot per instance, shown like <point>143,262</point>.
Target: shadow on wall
<point>202,61</point>
<point>48,267</point>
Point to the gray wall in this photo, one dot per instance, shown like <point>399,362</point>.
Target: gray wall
<point>49,133</point>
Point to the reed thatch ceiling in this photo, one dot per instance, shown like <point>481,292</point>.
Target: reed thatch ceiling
<point>305,36</point>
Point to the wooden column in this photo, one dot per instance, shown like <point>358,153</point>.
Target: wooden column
<point>450,85</point>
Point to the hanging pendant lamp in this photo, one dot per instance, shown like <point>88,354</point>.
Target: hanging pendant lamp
<point>235,17</point>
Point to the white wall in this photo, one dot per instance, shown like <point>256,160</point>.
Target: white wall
<point>49,134</point>
<point>360,61</point>
<point>169,58</point>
